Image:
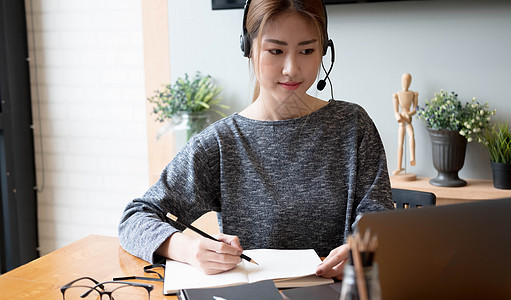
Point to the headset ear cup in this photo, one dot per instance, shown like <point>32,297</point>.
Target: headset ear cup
<point>242,45</point>
<point>328,43</point>
<point>246,46</point>
<point>244,37</point>
<point>332,50</point>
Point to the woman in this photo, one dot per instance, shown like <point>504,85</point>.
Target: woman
<point>290,171</point>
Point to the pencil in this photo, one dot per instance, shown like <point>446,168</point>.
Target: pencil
<point>359,272</point>
<point>197,230</point>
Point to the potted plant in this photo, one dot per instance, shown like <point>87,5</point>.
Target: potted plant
<point>184,106</point>
<point>498,141</point>
<point>451,125</point>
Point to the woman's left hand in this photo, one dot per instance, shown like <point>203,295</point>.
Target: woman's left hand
<point>333,265</point>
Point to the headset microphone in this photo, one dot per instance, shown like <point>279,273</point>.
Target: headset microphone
<point>322,83</point>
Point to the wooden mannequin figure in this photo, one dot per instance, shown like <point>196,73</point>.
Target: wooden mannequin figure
<point>407,101</point>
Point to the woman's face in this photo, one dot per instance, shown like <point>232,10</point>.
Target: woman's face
<point>288,61</point>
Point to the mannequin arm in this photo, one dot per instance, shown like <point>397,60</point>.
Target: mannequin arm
<point>413,111</point>
<point>395,103</point>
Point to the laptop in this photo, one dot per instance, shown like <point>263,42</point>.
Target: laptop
<point>459,251</point>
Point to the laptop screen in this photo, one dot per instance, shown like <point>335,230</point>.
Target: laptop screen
<point>460,251</point>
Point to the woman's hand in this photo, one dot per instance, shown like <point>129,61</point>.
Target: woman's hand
<point>209,256</point>
<point>212,257</point>
<point>333,265</point>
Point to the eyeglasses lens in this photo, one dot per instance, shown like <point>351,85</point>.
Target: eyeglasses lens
<point>118,292</point>
<point>76,292</point>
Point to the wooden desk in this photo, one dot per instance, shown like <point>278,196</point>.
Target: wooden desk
<point>475,190</point>
<point>99,257</point>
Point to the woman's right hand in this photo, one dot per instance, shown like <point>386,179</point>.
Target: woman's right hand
<point>209,256</point>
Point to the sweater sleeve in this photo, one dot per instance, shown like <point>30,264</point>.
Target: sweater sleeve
<point>373,192</point>
<point>187,188</point>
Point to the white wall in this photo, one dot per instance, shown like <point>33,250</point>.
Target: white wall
<point>89,112</point>
<point>451,45</point>
<point>91,87</point>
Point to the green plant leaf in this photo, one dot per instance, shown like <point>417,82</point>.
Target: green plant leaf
<point>188,94</point>
<point>497,139</point>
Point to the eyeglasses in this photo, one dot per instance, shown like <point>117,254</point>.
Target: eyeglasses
<point>147,269</point>
<point>89,288</point>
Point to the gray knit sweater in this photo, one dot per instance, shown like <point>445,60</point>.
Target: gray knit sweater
<point>290,184</point>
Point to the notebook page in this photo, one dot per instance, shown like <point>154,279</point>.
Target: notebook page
<point>275,264</point>
<point>179,275</point>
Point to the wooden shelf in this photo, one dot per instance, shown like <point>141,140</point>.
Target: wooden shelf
<point>475,190</point>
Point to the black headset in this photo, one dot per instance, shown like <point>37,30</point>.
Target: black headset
<point>245,44</point>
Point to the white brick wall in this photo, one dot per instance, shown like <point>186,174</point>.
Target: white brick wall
<point>90,80</point>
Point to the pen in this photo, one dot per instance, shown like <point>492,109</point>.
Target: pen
<point>197,230</point>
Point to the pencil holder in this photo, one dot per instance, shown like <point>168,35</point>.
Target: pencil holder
<point>349,289</point>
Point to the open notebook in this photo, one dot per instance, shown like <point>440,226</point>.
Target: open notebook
<point>287,268</point>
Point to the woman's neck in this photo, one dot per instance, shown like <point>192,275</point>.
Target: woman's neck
<point>265,109</point>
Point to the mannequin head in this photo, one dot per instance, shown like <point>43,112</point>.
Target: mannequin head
<point>406,80</point>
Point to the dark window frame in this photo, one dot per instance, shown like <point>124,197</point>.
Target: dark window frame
<point>18,195</point>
